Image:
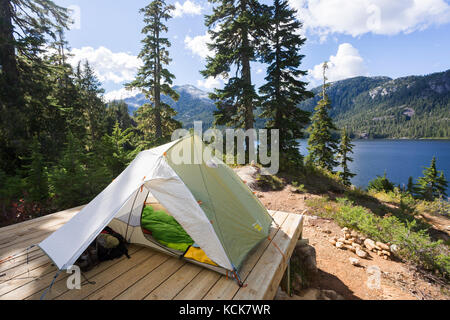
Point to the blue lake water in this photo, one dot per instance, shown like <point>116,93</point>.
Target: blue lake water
<point>399,158</point>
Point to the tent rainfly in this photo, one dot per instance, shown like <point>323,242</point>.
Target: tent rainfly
<point>211,203</point>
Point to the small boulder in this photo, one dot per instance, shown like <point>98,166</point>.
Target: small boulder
<point>332,241</point>
<point>369,244</point>
<point>382,246</point>
<point>394,248</point>
<point>340,245</point>
<point>361,253</point>
<point>307,256</point>
<point>330,295</point>
<point>354,262</point>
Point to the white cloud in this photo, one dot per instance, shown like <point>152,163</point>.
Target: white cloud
<point>209,83</point>
<point>347,63</point>
<point>121,94</point>
<point>198,45</point>
<point>109,66</point>
<point>357,17</point>
<point>188,7</point>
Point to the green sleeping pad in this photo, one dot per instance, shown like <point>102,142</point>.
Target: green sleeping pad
<point>165,229</point>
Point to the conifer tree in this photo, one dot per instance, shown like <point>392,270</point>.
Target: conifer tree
<point>26,26</point>
<point>283,91</point>
<point>433,184</point>
<point>153,79</point>
<point>345,148</point>
<point>236,28</point>
<point>411,188</point>
<point>117,149</point>
<point>322,145</point>
<point>36,180</point>
<point>90,101</point>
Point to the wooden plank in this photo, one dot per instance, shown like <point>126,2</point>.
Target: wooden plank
<point>225,288</point>
<point>103,278</point>
<point>36,287</point>
<point>141,289</point>
<point>199,286</point>
<point>25,242</point>
<point>129,278</point>
<point>7,266</point>
<point>267,274</point>
<point>36,275</point>
<point>66,214</point>
<point>173,285</point>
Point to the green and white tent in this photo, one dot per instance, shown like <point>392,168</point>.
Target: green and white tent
<point>211,203</point>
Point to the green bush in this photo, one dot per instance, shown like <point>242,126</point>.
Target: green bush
<point>381,184</point>
<point>414,242</point>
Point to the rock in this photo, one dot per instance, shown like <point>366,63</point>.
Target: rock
<point>330,295</point>
<point>340,245</point>
<point>341,240</point>
<point>354,234</point>
<point>383,246</point>
<point>349,247</point>
<point>310,294</point>
<point>302,242</point>
<point>354,262</point>
<point>297,283</point>
<point>356,245</point>
<point>307,256</point>
<point>348,242</point>
<point>369,244</point>
<point>361,253</point>
<point>347,236</point>
<point>394,248</point>
<point>386,253</point>
<point>332,241</point>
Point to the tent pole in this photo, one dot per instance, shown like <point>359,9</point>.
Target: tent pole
<point>129,216</point>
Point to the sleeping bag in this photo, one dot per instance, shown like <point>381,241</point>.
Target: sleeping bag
<point>165,229</point>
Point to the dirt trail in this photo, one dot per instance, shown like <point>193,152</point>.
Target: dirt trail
<point>397,279</point>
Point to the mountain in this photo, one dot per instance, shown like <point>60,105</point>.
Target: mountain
<point>381,107</point>
<point>370,107</point>
<point>193,105</point>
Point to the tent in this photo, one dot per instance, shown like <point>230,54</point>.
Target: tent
<point>211,203</point>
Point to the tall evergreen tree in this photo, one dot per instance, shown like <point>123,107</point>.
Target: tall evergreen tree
<point>236,28</point>
<point>152,78</point>
<point>36,180</point>
<point>433,184</point>
<point>411,188</point>
<point>322,145</point>
<point>90,101</point>
<point>345,149</point>
<point>26,26</point>
<point>283,91</point>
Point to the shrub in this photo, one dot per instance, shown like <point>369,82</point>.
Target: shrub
<point>381,184</point>
<point>414,242</point>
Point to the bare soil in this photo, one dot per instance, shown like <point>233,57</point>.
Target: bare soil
<point>398,280</point>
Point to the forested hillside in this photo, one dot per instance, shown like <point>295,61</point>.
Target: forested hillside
<point>379,107</point>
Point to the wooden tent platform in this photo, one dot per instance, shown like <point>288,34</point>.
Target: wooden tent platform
<point>147,275</point>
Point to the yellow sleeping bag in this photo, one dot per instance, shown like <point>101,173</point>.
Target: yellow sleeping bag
<point>199,255</point>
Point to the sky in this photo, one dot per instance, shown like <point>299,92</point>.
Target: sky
<point>358,38</point>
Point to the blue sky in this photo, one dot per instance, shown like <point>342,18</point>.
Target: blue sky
<point>358,37</point>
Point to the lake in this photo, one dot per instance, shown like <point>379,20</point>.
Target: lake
<point>399,158</point>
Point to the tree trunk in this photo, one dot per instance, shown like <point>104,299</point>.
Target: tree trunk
<point>158,88</point>
<point>247,81</point>
<point>8,61</point>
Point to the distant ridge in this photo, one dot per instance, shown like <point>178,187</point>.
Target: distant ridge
<point>370,107</point>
